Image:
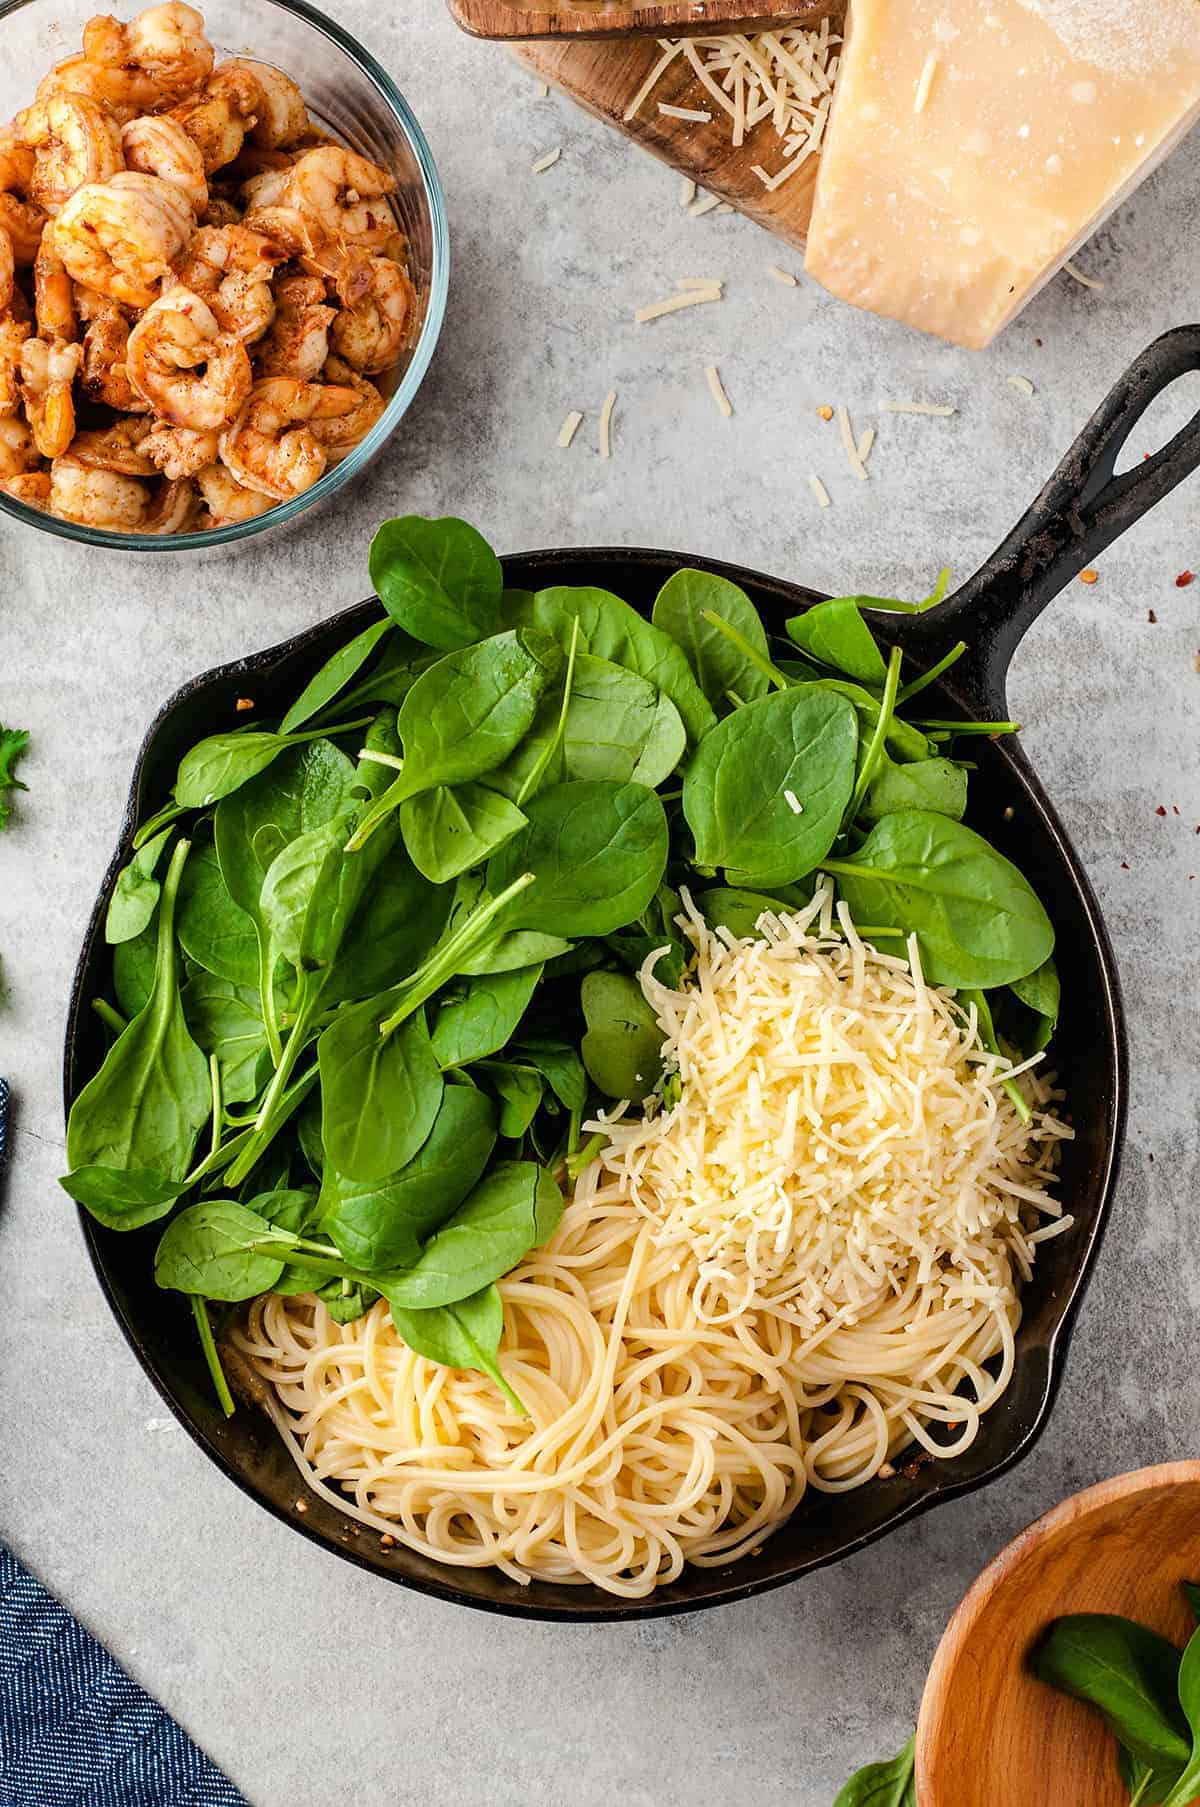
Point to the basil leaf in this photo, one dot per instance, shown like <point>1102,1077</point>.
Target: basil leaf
<point>439,579</point>
<point>513,1208</point>
<point>719,665</point>
<point>891,1784</point>
<point>1127,1673</point>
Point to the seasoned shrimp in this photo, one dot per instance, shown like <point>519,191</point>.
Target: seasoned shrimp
<point>47,375</point>
<point>96,498</point>
<point>341,431</point>
<point>15,328</point>
<point>170,510</point>
<point>228,501</point>
<point>160,146</point>
<point>298,343</point>
<point>125,92</point>
<point>166,43</point>
<point>75,140</point>
<point>32,488</point>
<point>18,453</point>
<point>278,114</point>
<point>221,211</point>
<point>180,361</point>
<point>120,447</point>
<point>343,193</point>
<point>232,267</point>
<point>179,451</point>
<point>218,119</point>
<point>8,268</point>
<point>53,295</point>
<point>268,448</point>
<point>20,218</point>
<point>122,236</point>
<point>378,303</point>
<point>104,377</point>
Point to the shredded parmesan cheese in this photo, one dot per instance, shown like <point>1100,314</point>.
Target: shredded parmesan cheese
<point>819,491</point>
<point>925,82</point>
<point>687,192</point>
<point>1088,282</point>
<point>940,410</point>
<point>865,444</point>
<point>606,414</point>
<point>851,445</point>
<point>775,82</point>
<point>673,303</point>
<point>793,802</point>
<point>1022,384</point>
<point>778,275</point>
<point>703,204</point>
<point>546,162</point>
<point>840,1132</point>
<point>700,282</point>
<point>569,428</point>
<point>717,390</point>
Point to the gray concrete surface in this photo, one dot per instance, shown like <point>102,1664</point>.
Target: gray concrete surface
<point>307,1680</point>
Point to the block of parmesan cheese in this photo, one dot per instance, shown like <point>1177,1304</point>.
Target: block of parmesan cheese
<point>975,144</point>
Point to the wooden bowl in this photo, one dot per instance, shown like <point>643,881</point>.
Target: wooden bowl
<point>989,1731</point>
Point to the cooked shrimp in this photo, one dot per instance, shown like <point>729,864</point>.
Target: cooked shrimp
<point>47,374</point>
<point>15,328</point>
<point>298,343</point>
<point>96,498</point>
<point>125,92</point>
<point>32,488</point>
<point>219,119</point>
<point>8,268</point>
<point>343,193</point>
<point>75,140</point>
<point>232,267</point>
<point>53,295</point>
<point>227,500</point>
<point>279,115</point>
<point>378,304</point>
<point>170,510</point>
<point>122,236</point>
<point>180,361</point>
<point>341,431</point>
<point>159,145</point>
<point>268,449</point>
<point>18,453</point>
<point>221,211</point>
<point>166,44</point>
<point>121,447</point>
<point>179,451</point>
<point>104,377</point>
<point>20,219</point>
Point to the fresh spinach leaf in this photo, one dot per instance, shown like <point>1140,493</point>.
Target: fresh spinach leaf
<point>656,931</point>
<point>513,1208</point>
<point>152,1096</point>
<point>382,1223</point>
<point>439,579</point>
<point>214,930</point>
<point>397,922</point>
<point>135,895</point>
<point>835,634</point>
<point>1040,991</point>
<point>977,919</point>
<point>719,665</point>
<point>464,1335</point>
<point>520,1090</point>
<point>292,1209</point>
<point>1187,1788</point>
<point>597,852</point>
<point>1129,1674</point>
<point>933,784</point>
<point>447,831</point>
<point>122,1198</point>
<point>622,1049</point>
<point>217,767</point>
<point>610,629</point>
<point>616,726</point>
<point>344,1303</point>
<point>729,907</point>
<point>208,1250</point>
<point>561,1068</point>
<point>736,789</point>
<point>484,1018</point>
<point>335,674</point>
<point>506,953</point>
<point>133,970</point>
<point>311,891</point>
<point>380,1093</point>
<point>891,1784</point>
<point>226,1020</point>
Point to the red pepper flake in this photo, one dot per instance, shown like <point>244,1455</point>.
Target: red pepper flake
<point>1161,810</point>
<point>1125,863</point>
<point>388,1542</point>
<point>244,704</point>
<point>1174,809</point>
<point>1184,579</point>
<point>302,1505</point>
<point>1151,617</point>
<point>1038,343</point>
<point>1089,576</point>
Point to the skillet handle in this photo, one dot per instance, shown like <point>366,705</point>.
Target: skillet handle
<point>1081,510</point>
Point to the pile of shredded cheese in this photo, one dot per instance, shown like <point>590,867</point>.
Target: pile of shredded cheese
<point>839,1127</point>
<point>782,78</point>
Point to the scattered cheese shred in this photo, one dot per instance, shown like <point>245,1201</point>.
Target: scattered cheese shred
<point>700,282</point>
<point>865,444</point>
<point>569,428</point>
<point>546,162</point>
<point>541,90</point>
<point>778,275</point>
<point>778,82</point>
<point>687,192</point>
<point>925,82</point>
<point>606,414</point>
<point>717,390</point>
<point>1022,384</point>
<point>698,114</point>
<point>793,802</point>
<point>851,445</point>
<point>819,491</point>
<point>839,1130</point>
<point>704,204</point>
<point>1088,282</point>
<point>673,303</point>
<point>940,410</point>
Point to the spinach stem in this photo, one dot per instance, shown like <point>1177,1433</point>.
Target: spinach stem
<point>538,770</point>
<point>931,676</point>
<point>396,793</point>
<point>443,964</point>
<point>381,758</point>
<point>214,1073</point>
<point>212,1359</point>
<point>973,727</point>
<point>264,1130</point>
<point>586,1155</point>
<point>113,1018</point>
<point>1142,1786</point>
<point>266,995</point>
<point>875,745</point>
<point>780,679</point>
<point>162,818</point>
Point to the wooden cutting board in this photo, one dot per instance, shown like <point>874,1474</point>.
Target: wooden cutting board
<point>605,78</point>
<point>573,19</point>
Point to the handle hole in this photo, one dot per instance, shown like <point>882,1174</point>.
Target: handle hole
<point>1167,414</point>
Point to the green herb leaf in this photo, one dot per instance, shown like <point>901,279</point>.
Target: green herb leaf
<point>439,579</point>
<point>835,634</point>
<point>718,664</point>
<point>891,1784</point>
<point>380,1093</point>
<point>208,1249</point>
<point>464,1335</point>
<point>1127,1673</point>
<point>622,1049</point>
<point>1187,1788</point>
<point>513,1208</point>
<point>13,743</point>
<point>334,675</point>
<point>597,852</point>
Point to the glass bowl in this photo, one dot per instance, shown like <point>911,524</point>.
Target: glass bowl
<point>353,98</point>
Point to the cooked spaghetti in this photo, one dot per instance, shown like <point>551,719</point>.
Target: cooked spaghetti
<point>747,1297</point>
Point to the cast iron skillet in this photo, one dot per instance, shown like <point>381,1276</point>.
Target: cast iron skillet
<point>1081,510</point>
